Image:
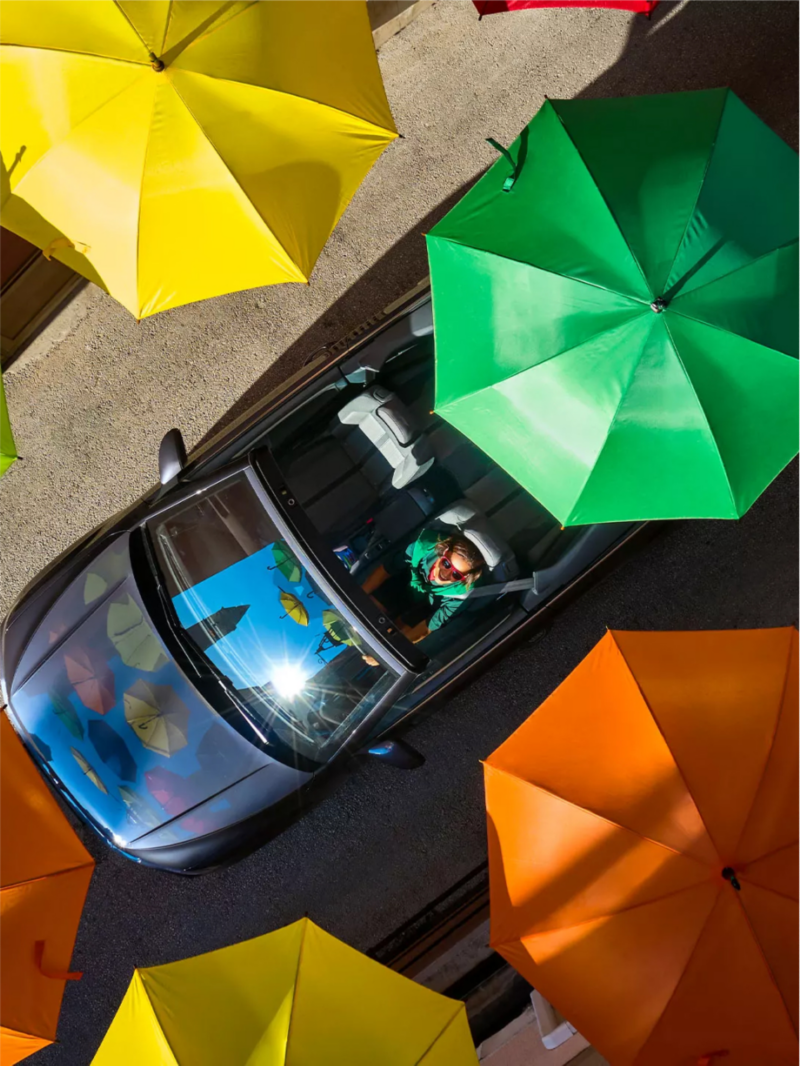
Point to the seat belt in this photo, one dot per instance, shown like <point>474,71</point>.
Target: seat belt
<point>517,585</point>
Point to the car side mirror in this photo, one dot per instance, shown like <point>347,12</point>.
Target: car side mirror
<point>171,456</point>
<point>396,753</point>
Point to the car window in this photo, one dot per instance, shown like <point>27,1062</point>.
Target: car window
<point>245,601</point>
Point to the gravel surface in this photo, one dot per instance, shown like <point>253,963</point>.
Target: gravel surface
<point>90,406</point>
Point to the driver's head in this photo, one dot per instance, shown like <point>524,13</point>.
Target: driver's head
<point>459,560</point>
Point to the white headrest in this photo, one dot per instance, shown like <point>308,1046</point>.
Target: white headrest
<point>475,526</point>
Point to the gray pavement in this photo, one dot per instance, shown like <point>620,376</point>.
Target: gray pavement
<point>90,407</point>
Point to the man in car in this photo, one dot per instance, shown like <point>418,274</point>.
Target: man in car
<point>444,570</point>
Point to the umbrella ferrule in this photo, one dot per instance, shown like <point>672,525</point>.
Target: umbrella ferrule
<point>658,305</point>
<point>730,875</point>
<point>156,63</point>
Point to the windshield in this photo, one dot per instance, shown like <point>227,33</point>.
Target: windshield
<point>243,598</point>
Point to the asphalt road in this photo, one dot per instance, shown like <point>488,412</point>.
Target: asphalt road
<point>89,409</point>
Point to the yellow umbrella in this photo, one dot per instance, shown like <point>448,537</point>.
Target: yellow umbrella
<point>130,633</point>
<point>8,450</point>
<point>171,151</point>
<point>158,716</point>
<point>88,770</point>
<point>294,608</point>
<point>241,1006</point>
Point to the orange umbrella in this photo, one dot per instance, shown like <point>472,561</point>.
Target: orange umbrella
<point>44,876</point>
<point>643,846</point>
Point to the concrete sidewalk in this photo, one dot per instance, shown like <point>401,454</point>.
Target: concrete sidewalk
<point>90,399</point>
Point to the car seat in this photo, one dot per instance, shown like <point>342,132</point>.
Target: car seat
<point>473,524</point>
<point>380,436</point>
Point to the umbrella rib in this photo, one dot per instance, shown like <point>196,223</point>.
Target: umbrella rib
<point>596,918</point>
<point>542,362</point>
<point>699,403</point>
<point>730,333</point>
<point>760,950</point>
<point>167,21</point>
<point>545,270</point>
<point>700,188</point>
<point>439,1035</point>
<point>296,983</point>
<point>605,201</point>
<point>769,854</point>
<point>646,702</point>
<point>294,267</point>
<point>139,206</point>
<point>138,35</point>
<point>692,954</point>
<point>296,96</point>
<point>77,52</point>
<point>595,814</point>
<point>205,29</point>
<point>612,420</point>
<point>778,719</point>
<point>89,862</point>
<point>736,270</point>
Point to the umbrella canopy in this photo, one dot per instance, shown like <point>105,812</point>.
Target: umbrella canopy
<point>615,308</point>
<point>158,717</point>
<point>44,876</point>
<point>297,995</point>
<point>66,713</point>
<point>294,608</point>
<point>88,770</point>
<point>132,636</point>
<point>92,680</point>
<point>286,562</point>
<point>8,450</point>
<point>643,834</point>
<point>173,151</point>
<point>112,749</point>
<point>490,7</point>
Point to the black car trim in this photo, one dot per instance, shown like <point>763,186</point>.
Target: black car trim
<point>381,629</point>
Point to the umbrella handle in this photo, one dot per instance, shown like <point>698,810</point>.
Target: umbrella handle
<point>57,975</point>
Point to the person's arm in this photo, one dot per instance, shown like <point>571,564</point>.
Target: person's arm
<point>448,607</point>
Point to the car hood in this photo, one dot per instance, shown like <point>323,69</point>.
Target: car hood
<point>119,727</point>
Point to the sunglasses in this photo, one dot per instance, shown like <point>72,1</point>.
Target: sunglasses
<point>452,571</point>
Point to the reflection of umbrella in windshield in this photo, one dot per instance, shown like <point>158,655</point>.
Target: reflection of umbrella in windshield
<point>139,812</point>
<point>94,587</point>
<point>336,628</point>
<point>88,770</point>
<point>285,562</point>
<point>112,749</point>
<point>132,636</point>
<point>158,717</point>
<point>91,678</point>
<point>294,609</point>
<point>66,713</point>
<point>174,793</point>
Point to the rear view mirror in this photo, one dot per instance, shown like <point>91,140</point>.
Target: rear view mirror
<point>396,753</point>
<point>171,456</point>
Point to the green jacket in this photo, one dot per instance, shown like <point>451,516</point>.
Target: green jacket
<point>448,599</point>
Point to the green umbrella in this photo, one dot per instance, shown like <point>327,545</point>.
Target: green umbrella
<point>8,450</point>
<point>615,308</point>
<point>285,562</point>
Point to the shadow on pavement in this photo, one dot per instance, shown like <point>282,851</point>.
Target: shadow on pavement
<point>749,46</point>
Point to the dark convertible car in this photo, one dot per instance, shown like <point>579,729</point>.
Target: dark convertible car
<point>188,674</point>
